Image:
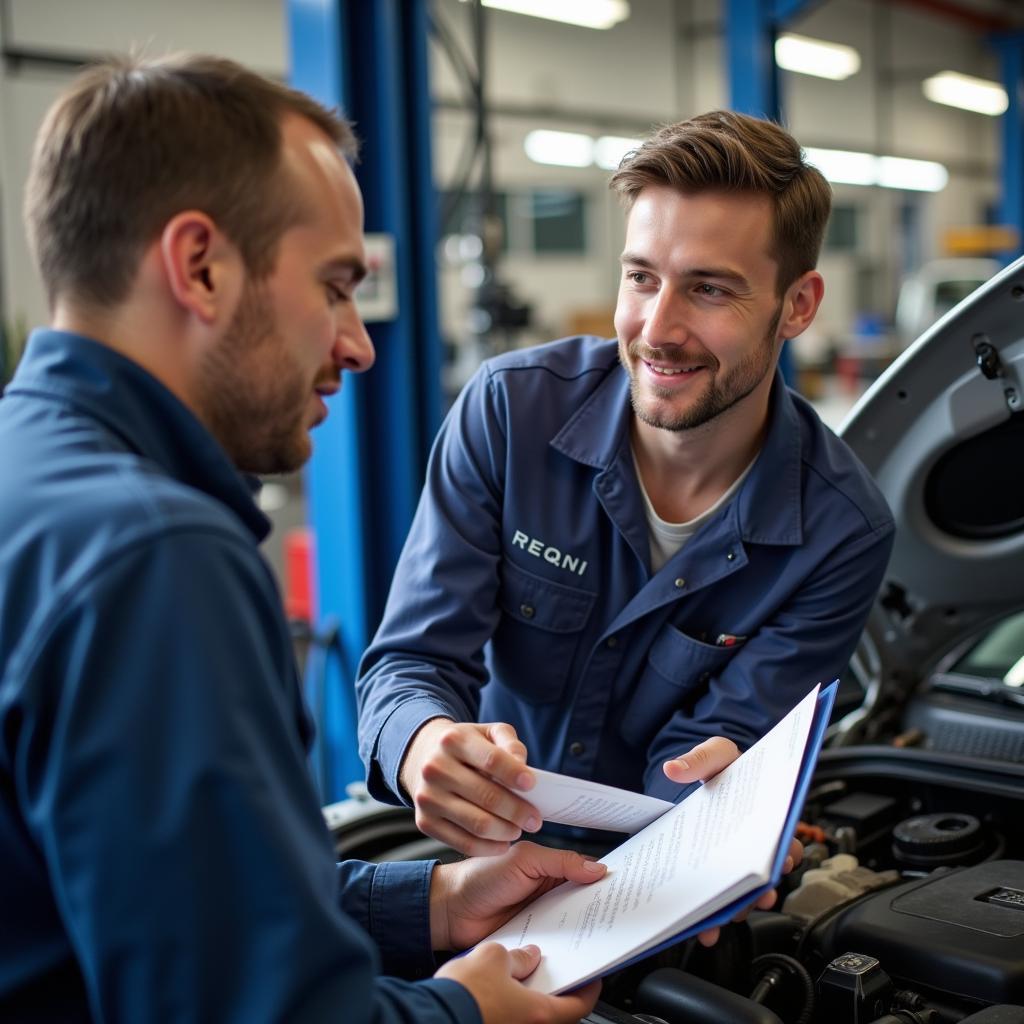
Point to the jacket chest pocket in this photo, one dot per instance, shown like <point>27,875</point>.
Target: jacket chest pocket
<point>538,634</point>
<point>676,673</point>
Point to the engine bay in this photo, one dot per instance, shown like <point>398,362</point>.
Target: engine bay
<point>908,907</point>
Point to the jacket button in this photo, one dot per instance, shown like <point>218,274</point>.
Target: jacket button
<point>612,641</point>
<point>729,557</point>
<point>526,610</point>
<point>576,748</point>
<point>680,583</point>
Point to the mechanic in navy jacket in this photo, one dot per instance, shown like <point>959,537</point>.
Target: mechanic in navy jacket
<point>627,550</point>
<point>162,852</point>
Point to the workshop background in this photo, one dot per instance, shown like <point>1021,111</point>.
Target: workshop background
<point>490,138</point>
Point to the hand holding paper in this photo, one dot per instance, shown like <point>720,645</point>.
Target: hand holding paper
<point>460,778</point>
<point>692,868</point>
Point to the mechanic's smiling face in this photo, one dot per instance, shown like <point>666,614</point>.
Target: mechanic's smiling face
<point>698,313</point>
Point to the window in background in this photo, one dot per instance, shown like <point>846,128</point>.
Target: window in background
<point>841,235</point>
<point>559,222</point>
<point>535,222</point>
<point>460,215</point>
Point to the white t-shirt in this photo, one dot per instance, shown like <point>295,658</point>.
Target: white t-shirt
<point>668,538</point>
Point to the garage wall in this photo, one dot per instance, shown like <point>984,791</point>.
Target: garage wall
<point>252,31</point>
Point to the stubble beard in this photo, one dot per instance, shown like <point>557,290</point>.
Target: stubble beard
<point>718,396</point>
<point>254,397</point>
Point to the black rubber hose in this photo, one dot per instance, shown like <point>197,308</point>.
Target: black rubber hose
<point>791,966</point>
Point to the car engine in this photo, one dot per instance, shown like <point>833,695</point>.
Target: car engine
<point>908,909</point>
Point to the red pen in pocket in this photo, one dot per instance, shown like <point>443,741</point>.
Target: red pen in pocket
<point>729,640</point>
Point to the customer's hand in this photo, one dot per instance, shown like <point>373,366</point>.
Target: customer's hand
<point>493,976</point>
<point>472,898</point>
<point>459,776</point>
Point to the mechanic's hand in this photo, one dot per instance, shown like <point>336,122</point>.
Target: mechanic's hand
<point>468,900</point>
<point>493,974</point>
<point>701,763</point>
<point>766,900</point>
<point>456,775</point>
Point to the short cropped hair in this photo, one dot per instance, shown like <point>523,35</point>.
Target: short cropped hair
<point>134,141</point>
<point>729,152</point>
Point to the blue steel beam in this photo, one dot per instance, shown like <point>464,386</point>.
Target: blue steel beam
<point>1011,52</point>
<point>750,44</point>
<point>369,59</point>
<point>750,30</point>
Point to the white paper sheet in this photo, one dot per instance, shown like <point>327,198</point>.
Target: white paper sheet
<point>715,846</point>
<point>569,801</point>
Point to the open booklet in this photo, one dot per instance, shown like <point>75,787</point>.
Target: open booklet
<point>692,868</point>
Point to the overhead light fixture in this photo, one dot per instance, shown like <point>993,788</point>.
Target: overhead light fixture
<point>846,167</point>
<point>563,149</point>
<point>815,57</point>
<point>585,13</point>
<point>917,175</point>
<point>610,149</point>
<point>966,92</point>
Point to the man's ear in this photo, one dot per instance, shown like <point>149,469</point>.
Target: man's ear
<point>202,268</point>
<point>803,297</point>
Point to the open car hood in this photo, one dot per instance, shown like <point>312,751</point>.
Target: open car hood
<point>942,432</point>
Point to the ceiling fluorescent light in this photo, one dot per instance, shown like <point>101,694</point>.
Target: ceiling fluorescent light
<point>563,149</point>
<point>815,57</point>
<point>916,175</point>
<point>851,168</point>
<point>585,13</point>
<point>844,167</point>
<point>966,92</point>
<point>610,149</point>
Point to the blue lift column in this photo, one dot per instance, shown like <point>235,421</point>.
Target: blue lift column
<point>1011,52</point>
<point>750,30</point>
<point>370,61</point>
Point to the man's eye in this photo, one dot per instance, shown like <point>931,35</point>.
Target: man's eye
<point>334,293</point>
<point>710,291</point>
<point>637,276</point>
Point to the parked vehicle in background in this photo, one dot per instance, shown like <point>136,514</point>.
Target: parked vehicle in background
<point>931,292</point>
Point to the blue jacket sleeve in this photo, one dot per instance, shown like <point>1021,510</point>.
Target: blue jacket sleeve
<point>162,775</point>
<point>426,660</point>
<point>809,640</point>
<point>391,902</point>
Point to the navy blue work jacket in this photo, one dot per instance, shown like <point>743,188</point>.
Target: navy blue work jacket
<point>162,852</point>
<point>524,592</point>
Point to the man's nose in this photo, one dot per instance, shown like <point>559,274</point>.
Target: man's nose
<point>353,349</point>
<point>666,321</point>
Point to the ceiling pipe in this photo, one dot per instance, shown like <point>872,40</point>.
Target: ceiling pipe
<point>979,21</point>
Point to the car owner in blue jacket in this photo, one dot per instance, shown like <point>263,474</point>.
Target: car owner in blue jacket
<point>163,853</point>
<point>630,555</point>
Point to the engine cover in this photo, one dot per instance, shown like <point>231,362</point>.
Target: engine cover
<point>959,932</point>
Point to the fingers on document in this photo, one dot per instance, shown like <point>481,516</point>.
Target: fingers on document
<point>703,761</point>
<point>474,748</point>
<point>504,736</point>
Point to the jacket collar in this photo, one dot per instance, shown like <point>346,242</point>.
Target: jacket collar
<point>141,411</point>
<point>767,507</point>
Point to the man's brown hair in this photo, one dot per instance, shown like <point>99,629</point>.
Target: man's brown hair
<point>133,142</point>
<point>728,152</point>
